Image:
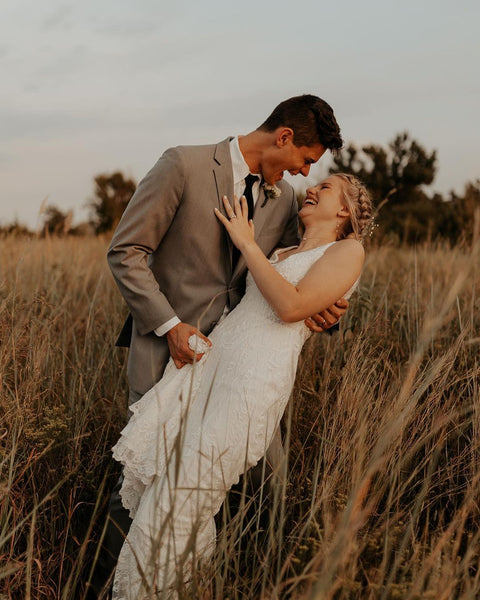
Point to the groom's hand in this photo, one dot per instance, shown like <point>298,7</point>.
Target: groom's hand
<point>177,339</point>
<point>328,317</point>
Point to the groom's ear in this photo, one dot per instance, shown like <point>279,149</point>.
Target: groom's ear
<point>284,135</point>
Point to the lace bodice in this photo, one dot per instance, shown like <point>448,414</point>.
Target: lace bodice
<point>293,268</point>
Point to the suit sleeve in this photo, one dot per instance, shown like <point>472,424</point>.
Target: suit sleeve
<point>140,231</point>
<point>291,234</point>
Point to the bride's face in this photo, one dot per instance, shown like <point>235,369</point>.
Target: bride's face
<point>325,200</point>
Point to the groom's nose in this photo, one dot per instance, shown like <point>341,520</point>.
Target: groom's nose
<point>305,170</point>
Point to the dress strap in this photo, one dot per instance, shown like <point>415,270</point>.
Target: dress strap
<point>274,256</point>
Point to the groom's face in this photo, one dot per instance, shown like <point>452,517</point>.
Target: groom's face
<point>285,156</point>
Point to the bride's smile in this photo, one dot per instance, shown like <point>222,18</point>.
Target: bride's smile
<point>324,212</point>
<point>328,193</point>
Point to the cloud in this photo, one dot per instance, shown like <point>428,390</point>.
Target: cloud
<point>41,124</point>
<point>57,65</point>
<point>228,110</point>
<point>128,28</point>
<point>6,158</point>
<point>58,19</point>
<point>144,18</point>
<point>92,86</point>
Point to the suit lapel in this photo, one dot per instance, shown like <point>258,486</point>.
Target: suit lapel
<point>223,174</point>
<point>260,214</point>
<point>222,171</point>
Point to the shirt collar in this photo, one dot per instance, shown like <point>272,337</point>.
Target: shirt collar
<point>239,166</point>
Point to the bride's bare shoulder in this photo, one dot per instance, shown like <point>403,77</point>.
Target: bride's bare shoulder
<point>349,246</point>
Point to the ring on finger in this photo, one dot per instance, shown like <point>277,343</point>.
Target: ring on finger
<point>233,217</point>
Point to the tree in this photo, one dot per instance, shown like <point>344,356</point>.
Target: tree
<point>398,172</point>
<point>112,194</point>
<point>404,166</point>
<point>55,221</point>
<point>15,229</point>
<point>466,211</point>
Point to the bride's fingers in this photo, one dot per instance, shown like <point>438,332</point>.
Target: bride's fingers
<point>227,221</point>
<point>238,206</point>
<point>220,217</point>
<point>228,208</point>
<point>238,211</point>
<point>229,211</point>
<point>244,207</point>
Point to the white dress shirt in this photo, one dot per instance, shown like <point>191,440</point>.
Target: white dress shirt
<point>240,170</point>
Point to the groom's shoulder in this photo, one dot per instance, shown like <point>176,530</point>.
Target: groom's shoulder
<point>286,189</point>
<point>197,152</point>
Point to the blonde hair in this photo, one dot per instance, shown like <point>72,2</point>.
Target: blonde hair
<point>359,204</point>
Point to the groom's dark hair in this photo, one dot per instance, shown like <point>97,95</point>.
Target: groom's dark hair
<point>311,119</point>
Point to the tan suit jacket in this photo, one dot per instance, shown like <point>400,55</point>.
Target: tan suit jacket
<point>171,256</point>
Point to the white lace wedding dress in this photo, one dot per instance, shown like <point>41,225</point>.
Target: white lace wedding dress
<point>197,430</point>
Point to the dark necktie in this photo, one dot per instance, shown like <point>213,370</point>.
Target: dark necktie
<point>247,192</point>
<point>249,181</point>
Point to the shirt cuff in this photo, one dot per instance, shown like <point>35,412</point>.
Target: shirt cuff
<point>165,328</point>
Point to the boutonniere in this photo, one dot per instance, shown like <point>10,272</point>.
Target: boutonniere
<point>271,192</point>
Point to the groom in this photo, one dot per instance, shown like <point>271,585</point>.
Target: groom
<point>173,261</point>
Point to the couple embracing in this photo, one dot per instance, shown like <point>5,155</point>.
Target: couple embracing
<point>207,408</point>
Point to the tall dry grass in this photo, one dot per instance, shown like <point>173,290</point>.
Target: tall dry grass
<point>382,487</point>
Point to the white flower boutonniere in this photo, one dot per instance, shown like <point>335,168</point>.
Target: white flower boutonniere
<point>271,192</point>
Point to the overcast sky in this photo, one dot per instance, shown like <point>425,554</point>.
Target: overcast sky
<point>95,86</point>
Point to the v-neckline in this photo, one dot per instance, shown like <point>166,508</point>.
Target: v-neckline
<point>283,250</point>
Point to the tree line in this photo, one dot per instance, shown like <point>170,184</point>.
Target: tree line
<point>397,176</point>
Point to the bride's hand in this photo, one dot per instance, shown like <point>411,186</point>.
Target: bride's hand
<point>239,228</point>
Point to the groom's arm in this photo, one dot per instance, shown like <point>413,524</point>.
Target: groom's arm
<point>140,231</point>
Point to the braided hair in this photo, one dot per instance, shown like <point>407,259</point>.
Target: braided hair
<point>359,204</point>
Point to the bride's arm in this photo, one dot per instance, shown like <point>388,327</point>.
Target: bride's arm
<point>327,280</point>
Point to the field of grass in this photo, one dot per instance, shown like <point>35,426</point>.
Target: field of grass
<point>381,499</point>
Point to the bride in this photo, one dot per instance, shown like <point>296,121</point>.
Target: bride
<point>199,428</point>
